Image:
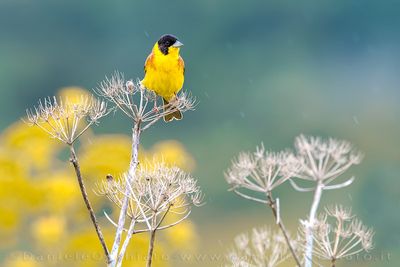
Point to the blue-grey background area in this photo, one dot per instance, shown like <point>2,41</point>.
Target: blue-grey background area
<point>263,71</point>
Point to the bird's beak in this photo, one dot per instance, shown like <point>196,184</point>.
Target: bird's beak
<point>177,44</point>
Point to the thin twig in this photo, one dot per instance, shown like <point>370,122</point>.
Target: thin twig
<point>75,163</point>
<point>271,204</point>
<point>249,197</point>
<point>153,236</point>
<point>151,248</point>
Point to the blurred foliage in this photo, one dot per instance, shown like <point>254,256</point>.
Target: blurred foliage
<point>43,217</point>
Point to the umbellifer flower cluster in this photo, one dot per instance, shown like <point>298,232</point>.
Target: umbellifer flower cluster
<point>63,120</point>
<point>325,160</point>
<point>138,103</point>
<point>261,171</point>
<point>141,106</point>
<point>262,248</point>
<point>318,162</point>
<point>156,190</point>
<point>347,236</point>
<point>144,195</point>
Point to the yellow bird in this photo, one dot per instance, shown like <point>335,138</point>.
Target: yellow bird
<point>164,71</point>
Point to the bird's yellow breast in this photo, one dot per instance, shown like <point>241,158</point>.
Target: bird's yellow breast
<point>164,74</point>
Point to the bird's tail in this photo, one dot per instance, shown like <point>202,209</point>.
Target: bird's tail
<point>177,115</point>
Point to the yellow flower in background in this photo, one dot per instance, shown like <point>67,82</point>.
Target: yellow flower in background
<point>49,230</point>
<point>107,154</point>
<point>182,236</point>
<point>29,195</point>
<point>136,253</point>
<point>173,153</point>
<point>11,168</point>
<point>9,218</point>
<point>60,192</point>
<point>110,154</point>
<point>17,190</point>
<point>20,259</point>
<point>33,145</point>
<point>9,224</point>
<point>87,252</point>
<point>74,94</point>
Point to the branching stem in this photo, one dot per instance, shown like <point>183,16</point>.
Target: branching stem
<point>155,227</point>
<point>128,237</point>
<point>122,215</point>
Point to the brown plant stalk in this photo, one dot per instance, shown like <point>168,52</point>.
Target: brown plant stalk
<point>74,161</point>
<point>273,206</point>
<point>153,236</point>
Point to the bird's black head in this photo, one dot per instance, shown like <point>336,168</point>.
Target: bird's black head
<point>166,41</point>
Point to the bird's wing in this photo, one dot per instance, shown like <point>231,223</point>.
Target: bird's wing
<point>149,61</point>
<point>181,64</point>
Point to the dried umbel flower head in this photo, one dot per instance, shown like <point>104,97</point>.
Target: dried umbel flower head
<point>262,171</point>
<point>64,120</point>
<point>138,103</point>
<point>155,190</point>
<point>347,236</point>
<point>167,185</point>
<point>325,160</point>
<point>262,248</point>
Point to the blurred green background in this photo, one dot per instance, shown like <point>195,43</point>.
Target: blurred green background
<point>262,71</point>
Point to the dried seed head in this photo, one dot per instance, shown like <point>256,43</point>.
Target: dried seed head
<point>138,103</point>
<point>130,86</point>
<point>340,212</point>
<point>262,248</point>
<point>346,237</point>
<point>262,171</point>
<point>166,185</point>
<point>65,120</point>
<point>154,190</point>
<point>325,160</point>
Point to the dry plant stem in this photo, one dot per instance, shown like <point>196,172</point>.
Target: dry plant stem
<point>311,220</point>
<point>128,237</point>
<point>75,163</point>
<point>151,248</point>
<point>122,215</point>
<point>155,226</point>
<point>271,204</point>
<point>333,261</point>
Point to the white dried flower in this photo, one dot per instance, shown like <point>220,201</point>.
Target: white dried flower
<point>155,190</point>
<point>138,103</point>
<point>262,171</point>
<point>64,120</point>
<point>346,237</point>
<point>325,160</point>
<point>263,248</point>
